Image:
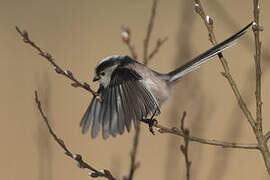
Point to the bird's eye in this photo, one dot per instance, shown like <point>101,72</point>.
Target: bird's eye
<point>102,73</point>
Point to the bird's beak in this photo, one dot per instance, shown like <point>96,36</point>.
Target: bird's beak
<point>96,78</point>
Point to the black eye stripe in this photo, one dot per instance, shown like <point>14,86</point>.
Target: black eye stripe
<point>121,60</point>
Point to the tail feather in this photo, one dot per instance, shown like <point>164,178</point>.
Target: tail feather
<point>197,61</point>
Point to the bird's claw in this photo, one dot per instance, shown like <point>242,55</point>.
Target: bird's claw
<point>151,122</point>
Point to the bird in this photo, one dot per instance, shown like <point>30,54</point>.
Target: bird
<point>131,91</point>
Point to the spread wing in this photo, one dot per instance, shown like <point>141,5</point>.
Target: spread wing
<point>126,99</point>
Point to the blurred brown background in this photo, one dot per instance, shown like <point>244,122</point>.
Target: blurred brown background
<point>78,34</point>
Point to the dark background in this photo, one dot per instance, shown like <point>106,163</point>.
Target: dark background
<point>80,33</point>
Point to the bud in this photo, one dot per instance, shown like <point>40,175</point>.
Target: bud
<point>209,20</point>
<point>48,55</point>
<point>92,174</point>
<point>125,36</point>
<point>25,37</point>
<point>182,148</point>
<point>80,165</point>
<point>77,157</point>
<point>86,86</point>
<point>67,72</point>
<point>57,69</point>
<point>102,171</point>
<point>126,29</point>
<point>197,8</point>
<point>107,173</point>
<point>61,141</point>
<point>74,156</point>
<point>255,27</point>
<point>75,84</point>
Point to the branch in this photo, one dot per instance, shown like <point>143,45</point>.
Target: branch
<point>133,164</point>
<point>149,31</point>
<point>267,136</point>
<point>209,25</point>
<point>262,141</point>
<point>159,43</point>
<point>256,30</point>
<point>126,36</point>
<point>77,157</point>
<point>224,144</point>
<point>184,148</point>
<point>256,125</point>
<point>57,68</point>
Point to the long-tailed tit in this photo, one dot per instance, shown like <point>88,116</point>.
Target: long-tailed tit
<point>131,91</point>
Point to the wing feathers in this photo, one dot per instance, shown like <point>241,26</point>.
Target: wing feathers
<point>88,116</point>
<point>96,120</point>
<point>126,105</point>
<point>126,99</point>
<point>107,116</point>
<point>113,122</point>
<point>120,111</point>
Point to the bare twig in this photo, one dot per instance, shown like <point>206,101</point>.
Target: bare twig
<point>77,157</point>
<point>126,36</point>
<point>224,144</point>
<point>133,164</point>
<point>57,68</point>
<point>262,141</point>
<point>149,31</point>
<point>256,125</point>
<point>267,136</point>
<point>159,43</point>
<point>209,25</point>
<point>257,57</point>
<point>184,148</point>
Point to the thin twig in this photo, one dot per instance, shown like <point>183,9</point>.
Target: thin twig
<point>184,148</point>
<point>77,157</point>
<point>133,164</point>
<point>126,37</point>
<point>149,31</point>
<point>267,136</point>
<point>257,58</point>
<point>159,43</point>
<point>262,141</point>
<point>256,125</point>
<point>224,144</point>
<point>209,25</point>
<point>57,68</point>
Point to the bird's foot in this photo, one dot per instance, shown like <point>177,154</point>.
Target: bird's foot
<point>151,122</point>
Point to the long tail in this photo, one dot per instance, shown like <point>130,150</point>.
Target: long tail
<point>197,61</point>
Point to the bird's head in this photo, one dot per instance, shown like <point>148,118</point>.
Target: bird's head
<point>107,66</point>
